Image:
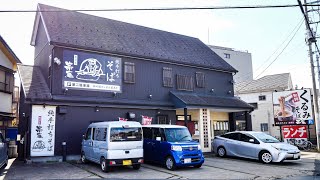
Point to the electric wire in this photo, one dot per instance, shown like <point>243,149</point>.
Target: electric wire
<point>162,9</point>
<point>274,52</point>
<point>276,58</point>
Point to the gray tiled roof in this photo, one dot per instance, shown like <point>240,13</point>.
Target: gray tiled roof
<point>264,84</point>
<point>33,83</point>
<point>183,100</point>
<point>85,31</point>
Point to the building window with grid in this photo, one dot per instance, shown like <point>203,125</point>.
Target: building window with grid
<point>264,127</point>
<point>200,82</point>
<point>129,72</point>
<point>6,81</point>
<point>226,55</point>
<point>184,82</point>
<point>167,77</point>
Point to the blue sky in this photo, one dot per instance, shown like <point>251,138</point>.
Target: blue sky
<point>262,32</point>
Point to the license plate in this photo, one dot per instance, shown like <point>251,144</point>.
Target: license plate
<point>187,160</point>
<point>126,162</point>
<point>295,156</point>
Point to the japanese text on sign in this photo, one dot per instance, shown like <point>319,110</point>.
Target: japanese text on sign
<point>89,71</point>
<point>292,107</point>
<point>42,130</point>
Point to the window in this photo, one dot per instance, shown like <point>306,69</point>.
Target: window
<point>6,81</point>
<point>129,72</point>
<point>184,82</point>
<point>162,119</point>
<point>100,134</point>
<point>125,134</point>
<point>147,133</point>
<point>234,136</point>
<point>200,79</point>
<point>156,133</point>
<point>221,125</point>
<point>264,127</point>
<point>181,117</point>
<point>88,134</point>
<point>262,98</point>
<point>226,55</point>
<point>167,77</point>
<point>245,138</point>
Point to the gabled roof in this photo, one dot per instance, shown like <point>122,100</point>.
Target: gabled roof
<point>4,47</point>
<point>267,83</point>
<point>33,83</point>
<point>83,31</point>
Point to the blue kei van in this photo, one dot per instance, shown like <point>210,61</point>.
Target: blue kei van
<point>171,145</point>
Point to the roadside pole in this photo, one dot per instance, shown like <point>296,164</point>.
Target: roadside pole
<point>311,39</point>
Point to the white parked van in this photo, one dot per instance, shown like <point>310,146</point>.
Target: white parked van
<point>113,143</point>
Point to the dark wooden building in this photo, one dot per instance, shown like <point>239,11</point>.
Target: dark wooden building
<point>89,68</point>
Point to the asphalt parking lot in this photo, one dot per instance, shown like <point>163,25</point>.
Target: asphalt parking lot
<point>213,168</point>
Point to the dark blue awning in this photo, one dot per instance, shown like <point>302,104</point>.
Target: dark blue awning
<point>195,100</point>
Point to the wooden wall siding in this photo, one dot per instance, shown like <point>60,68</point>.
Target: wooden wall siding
<point>149,80</point>
<point>80,117</point>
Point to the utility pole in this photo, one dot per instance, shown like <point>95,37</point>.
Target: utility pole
<point>311,39</point>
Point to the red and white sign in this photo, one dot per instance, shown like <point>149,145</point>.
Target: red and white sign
<point>122,119</point>
<point>146,120</point>
<point>294,132</point>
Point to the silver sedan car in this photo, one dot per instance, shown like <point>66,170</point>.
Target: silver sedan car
<point>254,145</point>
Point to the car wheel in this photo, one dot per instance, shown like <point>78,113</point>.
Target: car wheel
<point>104,166</point>
<point>265,157</point>
<point>221,152</point>
<point>83,158</point>
<point>170,164</point>
<point>136,166</point>
<point>198,166</point>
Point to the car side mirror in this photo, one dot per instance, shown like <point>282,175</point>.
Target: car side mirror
<point>158,138</point>
<point>251,140</point>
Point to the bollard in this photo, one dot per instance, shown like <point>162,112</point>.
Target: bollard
<point>64,151</point>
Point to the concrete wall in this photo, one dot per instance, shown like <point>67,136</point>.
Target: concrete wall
<point>264,112</point>
<point>240,60</point>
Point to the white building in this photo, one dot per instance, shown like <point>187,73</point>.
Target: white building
<point>240,60</point>
<point>8,92</point>
<point>259,93</point>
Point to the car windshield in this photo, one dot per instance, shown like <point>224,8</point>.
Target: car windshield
<point>177,134</point>
<point>266,138</point>
<point>125,134</point>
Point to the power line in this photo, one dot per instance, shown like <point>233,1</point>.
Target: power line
<point>276,50</point>
<point>162,9</point>
<point>274,59</point>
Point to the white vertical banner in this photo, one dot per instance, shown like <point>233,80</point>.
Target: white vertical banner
<point>43,130</point>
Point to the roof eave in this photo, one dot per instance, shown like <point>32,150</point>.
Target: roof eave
<point>36,27</point>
